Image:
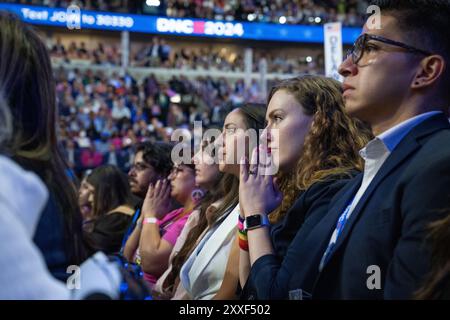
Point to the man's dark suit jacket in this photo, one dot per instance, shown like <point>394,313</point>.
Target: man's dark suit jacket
<point>382,252</point>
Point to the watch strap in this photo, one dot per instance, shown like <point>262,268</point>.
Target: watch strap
<point>256,221</point>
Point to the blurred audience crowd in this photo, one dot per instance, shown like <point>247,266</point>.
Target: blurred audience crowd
<point>159,54</point>
<point>102,117</point>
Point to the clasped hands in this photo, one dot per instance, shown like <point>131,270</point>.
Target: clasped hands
<point>258,190</point>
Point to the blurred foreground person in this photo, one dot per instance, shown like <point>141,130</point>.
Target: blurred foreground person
<point>24,274</point>
<point>26,79</point>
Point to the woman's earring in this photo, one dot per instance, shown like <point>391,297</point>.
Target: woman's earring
<point>197,194</point>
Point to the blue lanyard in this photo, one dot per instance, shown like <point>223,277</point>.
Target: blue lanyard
<point>339,227</point>
<point>130,229</point>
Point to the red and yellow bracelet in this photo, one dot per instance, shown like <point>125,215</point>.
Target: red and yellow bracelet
<point>242,234</point>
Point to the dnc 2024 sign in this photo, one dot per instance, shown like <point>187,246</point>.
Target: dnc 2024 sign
<point>74,18</point>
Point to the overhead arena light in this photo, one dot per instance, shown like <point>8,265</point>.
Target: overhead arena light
<point>152,7</point>
<point>175,98</point>
<point>153,3</point>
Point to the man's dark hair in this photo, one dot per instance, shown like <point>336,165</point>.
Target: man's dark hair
<point>425,23</point>
<point>158,155</point>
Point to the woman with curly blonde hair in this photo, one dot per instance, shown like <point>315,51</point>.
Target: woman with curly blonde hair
<point>315,145</point>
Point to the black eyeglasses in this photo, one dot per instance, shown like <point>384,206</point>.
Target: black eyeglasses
<point>139,166</point>
<point>360,46</point>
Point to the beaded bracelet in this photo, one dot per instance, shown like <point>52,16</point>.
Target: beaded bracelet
<point>242,234</point>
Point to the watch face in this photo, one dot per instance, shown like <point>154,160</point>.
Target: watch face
<point>253,221</point>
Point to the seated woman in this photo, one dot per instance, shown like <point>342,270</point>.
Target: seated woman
<point>314,144</point>
<point>157,230</point>
<point>217,185</point>
<point>111,203</point>
<point>203,270</point>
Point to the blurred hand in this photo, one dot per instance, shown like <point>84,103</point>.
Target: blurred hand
<point>97,276</point>
<point>258,192</point>
<point>157,200</point>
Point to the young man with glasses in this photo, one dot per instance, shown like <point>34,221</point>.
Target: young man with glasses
<point>151,163</point>
<point>372,243</point>
<point>396,80</point>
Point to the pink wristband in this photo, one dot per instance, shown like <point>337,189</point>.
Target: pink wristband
<point>240,226</point>
<point>151,220</point>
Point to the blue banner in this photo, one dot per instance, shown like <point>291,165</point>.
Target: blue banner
<point>73,18</point>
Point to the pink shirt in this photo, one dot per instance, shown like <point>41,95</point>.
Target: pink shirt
<point>170,231</point>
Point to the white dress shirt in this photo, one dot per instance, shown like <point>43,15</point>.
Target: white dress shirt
<point>379,149</point>
<point>375,154</point>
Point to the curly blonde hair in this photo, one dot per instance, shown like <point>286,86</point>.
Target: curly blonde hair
<point>332,144</point>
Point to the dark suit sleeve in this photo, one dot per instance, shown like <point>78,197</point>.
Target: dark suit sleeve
<point>270,275</point>
<point>425,199</point>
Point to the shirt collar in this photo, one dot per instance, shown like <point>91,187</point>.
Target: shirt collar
<point>374,150</point>
<point>388,140</point>
<point>392,137</point>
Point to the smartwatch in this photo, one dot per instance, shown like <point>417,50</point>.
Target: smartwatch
<point>256,221</point>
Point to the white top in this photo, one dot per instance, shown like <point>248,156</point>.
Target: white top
<point>203,272</point>
<point>24,274</point>
<point>23,271</point>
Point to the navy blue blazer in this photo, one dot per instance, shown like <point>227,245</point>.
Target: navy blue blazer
<point>316,199</point>
<point>308,209</point>
<point>381,253</point>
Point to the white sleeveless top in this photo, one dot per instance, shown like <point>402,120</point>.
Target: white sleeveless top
<point>203,272</point>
